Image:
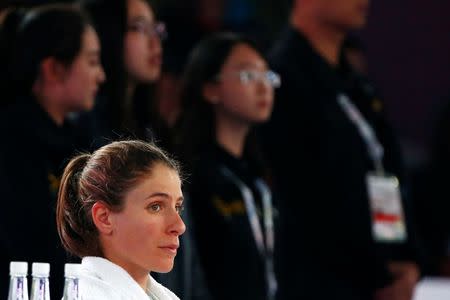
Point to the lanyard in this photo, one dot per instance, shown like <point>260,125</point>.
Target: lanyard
<point>366,131</point>
<point>265,249</point>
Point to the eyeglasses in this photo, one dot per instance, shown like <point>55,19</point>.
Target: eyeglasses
<point>149,29</point>
<point>249,76</point>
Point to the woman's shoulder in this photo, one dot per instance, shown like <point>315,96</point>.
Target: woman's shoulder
<point>101,279</point>
<point>94,288</point>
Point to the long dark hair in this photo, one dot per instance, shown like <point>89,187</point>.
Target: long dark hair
<point>49,31</point>
<point>197,128</point>
<point>110,21</point>
<point>8,34</point>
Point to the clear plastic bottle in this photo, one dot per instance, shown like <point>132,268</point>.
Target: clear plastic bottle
<point>71,282</point>
<point>18,284</point>
<point>40,287</point>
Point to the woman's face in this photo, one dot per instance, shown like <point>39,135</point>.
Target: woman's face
<point>244,92</point>
<point>145,233</point>
<point>143,51</point>
<point>84,76</point>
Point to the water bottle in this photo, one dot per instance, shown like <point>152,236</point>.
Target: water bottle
<point>18,285</point>
<point>40,287</point>
<point>71,282</point>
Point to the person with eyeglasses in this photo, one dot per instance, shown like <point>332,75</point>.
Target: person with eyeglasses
<point>227,90</point>
<point>132,38</point>
<point>345,217</point>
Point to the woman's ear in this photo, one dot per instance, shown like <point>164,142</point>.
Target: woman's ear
<point>102,217</point>
<point>52,71</point>
<point>210,92</point>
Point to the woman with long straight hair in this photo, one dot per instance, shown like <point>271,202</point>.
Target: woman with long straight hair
<point>131,36</point>
<point>227,91</point>
<point>56,72</point>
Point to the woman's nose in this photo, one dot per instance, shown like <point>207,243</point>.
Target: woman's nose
<point>177,227</point>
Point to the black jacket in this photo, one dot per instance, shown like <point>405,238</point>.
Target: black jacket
<point>32,158</point>
<point>319,162</point>
<point>233,267</point>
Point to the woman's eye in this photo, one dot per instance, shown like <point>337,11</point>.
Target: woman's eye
<point>94,62</point>
<point>138,27</point>
<point>155,207</point>
<point>179,208</point>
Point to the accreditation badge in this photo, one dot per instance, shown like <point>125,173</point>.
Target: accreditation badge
<point>388,223</point>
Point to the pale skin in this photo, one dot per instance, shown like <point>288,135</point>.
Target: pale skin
<point>142,53</point>
<point>144,235</point>
<point>239,106</point>
<point>325,23</point>
<point>62,89</point>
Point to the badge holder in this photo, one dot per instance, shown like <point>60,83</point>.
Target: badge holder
<point>388,223</point>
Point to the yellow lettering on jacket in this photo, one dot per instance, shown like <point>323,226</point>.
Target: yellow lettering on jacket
<point>53,183</point>
<point>229,208</point>
<point>377,105</point>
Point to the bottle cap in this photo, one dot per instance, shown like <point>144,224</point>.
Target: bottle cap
<point>72,270</point>
<point>40,269</point>
<point>18,268</point>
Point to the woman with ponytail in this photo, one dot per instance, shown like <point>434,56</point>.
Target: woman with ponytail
<point>119,210</point>
<point>55,70</point>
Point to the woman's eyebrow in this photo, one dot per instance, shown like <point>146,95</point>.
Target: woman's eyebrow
<point>242,65</point>
<point>140,18</point>
<point>163,195</point>
<point>158,194</point>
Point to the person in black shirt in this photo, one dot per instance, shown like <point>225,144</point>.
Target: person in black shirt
<point>125,107</point>
<point>431,197</point>
<point>57,71</point>
<point>323,140</point>
<point>228,89</point>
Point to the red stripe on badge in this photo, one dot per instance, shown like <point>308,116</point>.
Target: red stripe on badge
<point>381,217</point>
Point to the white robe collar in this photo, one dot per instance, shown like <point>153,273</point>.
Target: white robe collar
<point>119,279</point>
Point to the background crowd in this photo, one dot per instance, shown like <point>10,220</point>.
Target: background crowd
<point>277,110</point>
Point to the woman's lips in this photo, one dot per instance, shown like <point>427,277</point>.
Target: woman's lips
<point>264,104</point>
<point>171,249</point>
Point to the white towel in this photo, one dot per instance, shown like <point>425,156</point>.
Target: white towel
<point>103,280</point>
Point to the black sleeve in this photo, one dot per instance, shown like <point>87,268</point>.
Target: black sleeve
<point>314,238</point>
